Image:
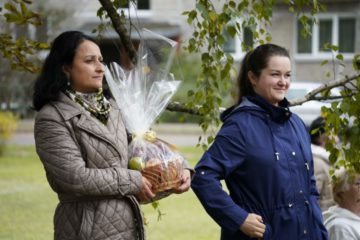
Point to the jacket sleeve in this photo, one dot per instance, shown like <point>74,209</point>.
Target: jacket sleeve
<point>223,157</point>
<point>66,169</point>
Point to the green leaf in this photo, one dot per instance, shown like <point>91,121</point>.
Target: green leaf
<point>334,48</point>
<point>24,10</point>
<point>324,62</point>
<point>11,8</point>
<point>340,57</point>
<point>213,16</point>
<point>190,93</point>
<point>204,11</point>
<point>192,15</point>
<point>356,62</point>
<point>231,30</point>
<point>232,4</point>
<point>12,18</point>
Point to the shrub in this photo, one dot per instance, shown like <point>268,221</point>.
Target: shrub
<point>8,124</point>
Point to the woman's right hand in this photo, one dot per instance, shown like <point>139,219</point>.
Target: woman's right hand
<point>253,226</point>
<point>145,194</point>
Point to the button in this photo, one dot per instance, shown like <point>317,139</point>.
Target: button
<point>202,173</point>
<point>290,205</point>
<point>293,153</point>
<point>307,202</point>
<point>305,232</point>
<point>301,192</point>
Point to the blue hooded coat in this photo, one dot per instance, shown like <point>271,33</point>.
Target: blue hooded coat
<point>263,153</point>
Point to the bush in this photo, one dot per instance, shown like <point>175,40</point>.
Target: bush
<point>8,124</point>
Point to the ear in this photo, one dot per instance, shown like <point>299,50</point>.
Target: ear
<point>253,79</point>
<point>66,70</point>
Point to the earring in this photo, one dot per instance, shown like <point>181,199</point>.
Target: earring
<point>67,80</point>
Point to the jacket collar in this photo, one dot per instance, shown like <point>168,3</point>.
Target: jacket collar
<point>279,114</point>
<point>256,103</point>
<point>69,109</point>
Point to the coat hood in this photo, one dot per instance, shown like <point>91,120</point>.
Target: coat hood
<point>259,106</point>
<point>337,212</point>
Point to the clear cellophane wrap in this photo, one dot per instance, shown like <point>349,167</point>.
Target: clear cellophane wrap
<point>142,93</point>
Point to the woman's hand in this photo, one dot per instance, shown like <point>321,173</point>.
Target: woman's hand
<point>145,194</point>
<point>185,182</point>
<point>253,226</point>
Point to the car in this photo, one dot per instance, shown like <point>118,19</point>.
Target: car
<point>309,110</point>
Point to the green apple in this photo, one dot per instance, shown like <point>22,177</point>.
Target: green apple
<point>136,163</point>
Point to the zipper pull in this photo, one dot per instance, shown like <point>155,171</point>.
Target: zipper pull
<point>277,156</point>
<point>307,166</point>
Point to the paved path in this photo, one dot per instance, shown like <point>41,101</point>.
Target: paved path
<point>178,134</point>
<point>177,139</point>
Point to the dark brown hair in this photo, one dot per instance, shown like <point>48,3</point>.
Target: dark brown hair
<point>255,61</point>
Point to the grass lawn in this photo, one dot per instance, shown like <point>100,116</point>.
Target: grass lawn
<point>27,203</point>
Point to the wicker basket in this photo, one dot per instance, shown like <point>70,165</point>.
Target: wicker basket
<point>163,176</point>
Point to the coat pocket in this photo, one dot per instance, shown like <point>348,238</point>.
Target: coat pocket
<point>86,225</point>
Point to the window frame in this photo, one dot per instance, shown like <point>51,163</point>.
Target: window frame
<point>316,53</point>
<point>133,10</point>
<point>239,53</point>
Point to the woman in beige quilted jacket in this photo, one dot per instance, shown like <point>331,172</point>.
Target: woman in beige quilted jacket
<point>321,163</point>
<point>82,143</point>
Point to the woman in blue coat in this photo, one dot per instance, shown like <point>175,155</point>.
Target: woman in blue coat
<point>263,153</point>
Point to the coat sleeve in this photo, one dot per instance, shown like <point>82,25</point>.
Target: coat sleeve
<point>66,169</point>
<point>223,157</point>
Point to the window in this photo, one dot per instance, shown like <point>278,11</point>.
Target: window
<point>347,35</point>
<point>304,42</point>
<point>233,45</point>
<point>143,4</point>
<point>325,34</point>
<point>331,29</point>
<point>137,7</point>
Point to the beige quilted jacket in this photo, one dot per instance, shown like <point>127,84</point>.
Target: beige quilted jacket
<point>86,165</point>
<point>323,180</point>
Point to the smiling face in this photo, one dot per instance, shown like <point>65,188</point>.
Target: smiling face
<point>274,80</point>
<point>350,199</point>
<point>86,71</point>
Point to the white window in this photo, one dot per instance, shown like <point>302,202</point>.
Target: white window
<point>140,8</point>
<point>234,45</point>
<point>334,29</point>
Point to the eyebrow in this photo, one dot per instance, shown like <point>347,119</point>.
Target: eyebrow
<point>276,70</point>
<point>93,56</point>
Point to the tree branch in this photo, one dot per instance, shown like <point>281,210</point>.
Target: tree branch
<point>180,107</point>
<point>327,86</point>
<point>120,29</point>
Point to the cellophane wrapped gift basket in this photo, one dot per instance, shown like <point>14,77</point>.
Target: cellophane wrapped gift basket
<point>142,93</point>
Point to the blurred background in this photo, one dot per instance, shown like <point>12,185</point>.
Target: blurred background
<point>26,201</point>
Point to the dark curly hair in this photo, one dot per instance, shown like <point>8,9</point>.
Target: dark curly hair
<point>52,80</point>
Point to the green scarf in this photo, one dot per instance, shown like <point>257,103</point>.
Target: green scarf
<point>95,103</point>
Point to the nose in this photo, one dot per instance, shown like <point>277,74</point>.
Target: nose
<point>100,66</point>
<point>284,80</point>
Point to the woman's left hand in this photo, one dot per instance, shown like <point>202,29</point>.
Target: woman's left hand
<point>185,182</point>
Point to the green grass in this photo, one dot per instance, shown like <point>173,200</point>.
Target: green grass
<point>27,203</point>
